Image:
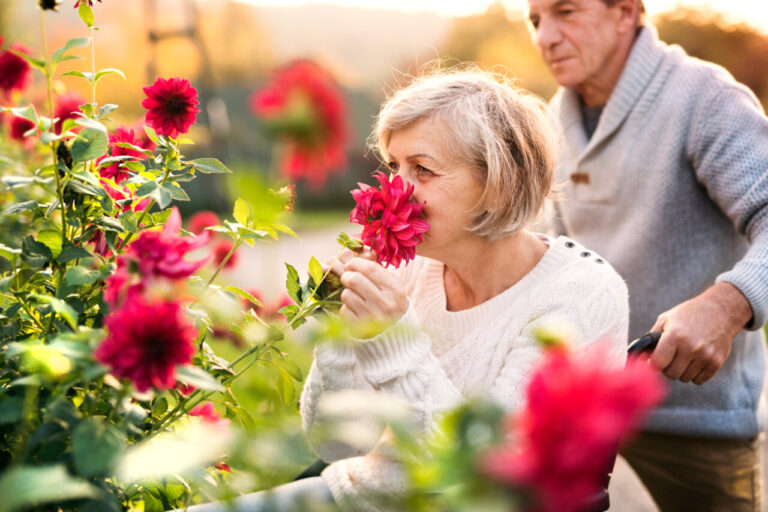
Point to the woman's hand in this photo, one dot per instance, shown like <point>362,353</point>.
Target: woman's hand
<point>370,292</point>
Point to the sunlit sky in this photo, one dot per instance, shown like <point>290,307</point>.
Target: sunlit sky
<point>754,12</point>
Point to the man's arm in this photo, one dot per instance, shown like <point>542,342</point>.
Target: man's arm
<point>729,152</point>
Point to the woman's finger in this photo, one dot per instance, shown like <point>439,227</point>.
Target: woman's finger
<point>356,304</point>
<point>361,285</point>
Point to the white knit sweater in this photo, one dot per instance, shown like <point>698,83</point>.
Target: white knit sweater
<point>434,358</point>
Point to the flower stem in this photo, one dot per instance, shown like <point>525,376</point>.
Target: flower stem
<point>238,242</point>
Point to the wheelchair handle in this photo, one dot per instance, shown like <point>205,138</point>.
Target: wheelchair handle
<point>644,344</point>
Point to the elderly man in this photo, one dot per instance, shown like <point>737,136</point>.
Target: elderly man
<point>665,164</point>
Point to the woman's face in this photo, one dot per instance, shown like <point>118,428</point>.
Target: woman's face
<point>421,155</point>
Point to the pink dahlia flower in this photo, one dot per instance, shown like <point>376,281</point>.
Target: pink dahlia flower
<point>201,220</point>
<point>390,219</point>
<point>89,2</point>
<point>15,72</point>
<point>145,341</point>
<point>19,126</point>
<point>220,250</point>
<point>577,413</point>
<point>269,310</point>
<point>116,171</point>
<point>171,106</point>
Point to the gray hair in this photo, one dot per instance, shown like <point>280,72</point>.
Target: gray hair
<point>502,131</point>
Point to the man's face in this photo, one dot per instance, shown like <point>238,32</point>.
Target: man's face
<point>578,39</point>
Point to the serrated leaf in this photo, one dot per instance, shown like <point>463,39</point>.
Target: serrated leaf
<point>242,212</point>
<point>76,42</point>
<point>25,486</point>
<point>60,307</point>
<point>108,71</point>
<point>109,224</point>
<point>162,197</point>
<point>315,270</point>
<point>89,145</point>
<point>71,252</point>
<point>194,376</point>
<point>21,207</point>
<point>52,240</point>
<point>291,368</point>
<point>152,134</point>
<point>176,191</point>
<point>76,276</point>
<point>96,446</point>
<point>210,166</point>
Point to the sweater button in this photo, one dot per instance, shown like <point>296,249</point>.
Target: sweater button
<point>570,245</point>
<point>599,260</point>
<point>586,254</point>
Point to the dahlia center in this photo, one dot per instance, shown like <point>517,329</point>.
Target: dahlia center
<point>175,105</point>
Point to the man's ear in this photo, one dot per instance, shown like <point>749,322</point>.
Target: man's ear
<point>628,15</point>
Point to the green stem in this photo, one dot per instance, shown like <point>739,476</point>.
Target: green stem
<point>238,242</point>
<point>49,87</point>
<point>26,308</point>
<point>25,428</point>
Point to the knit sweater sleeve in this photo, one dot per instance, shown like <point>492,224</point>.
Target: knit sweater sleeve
<point>729,151</point>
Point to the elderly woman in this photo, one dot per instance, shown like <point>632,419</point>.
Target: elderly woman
<point>480,154</point>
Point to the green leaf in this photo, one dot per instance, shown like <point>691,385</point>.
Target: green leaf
<point>52,240</point>
<point>78,275</point>
<point>108,71</point>
<point>71,252</point>
<point>89,144</point>
<point>244,294</point>
<point>35,253</point>
<point>107,109</point>
<point>11,409</point>
<point>85,188</point>
<point>159,406</point>
<point>76,42</point>
<point>285,388</point>
<point>82,74</point>
<point>25,486</point>
<point>87,177</point>
<point>242,212</point>
<point>109,224</point>
<point>91,123</point>
<point>29,113</point>
<point>176,191</point>
<point>37,63</point>
<point>210,166</point>
<point>194,376</point>
<point>146,189</point>
<point>21,207</point>
<point>162,197</point>
<point>292,283</point>
<point>291,368</point>
<point>152,134</point>
<point>60,307</point>
<point>315,270</point>
<point>96,446</point>
<point>129,220</point>
<point>86,14</point>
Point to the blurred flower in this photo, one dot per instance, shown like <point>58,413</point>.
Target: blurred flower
<point>49,5</point>
<point>171,106</point>
<point>145,342</point>
<point>209,415</point>
<point>67,107</point>
<point>15,72</point>
<point>201,220</point>
<point>303,107</point>
<point>577,412</point>
<point>390,219</point>
<point>153,255</point>
<point>19,126</point>
<point>90,3</point>
<point>220,250</point>
<point>269,310</point>
<point>185,389</point>
<point>126,201</point>
<point>123,135</point>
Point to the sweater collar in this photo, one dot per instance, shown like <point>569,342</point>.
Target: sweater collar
<point>644,58</point>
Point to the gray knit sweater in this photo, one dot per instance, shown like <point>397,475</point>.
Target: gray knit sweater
<point>677,200</point>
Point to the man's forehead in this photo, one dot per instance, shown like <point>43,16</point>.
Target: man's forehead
<point>543,5</point>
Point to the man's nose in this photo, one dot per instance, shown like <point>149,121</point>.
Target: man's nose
<point>546,34</point>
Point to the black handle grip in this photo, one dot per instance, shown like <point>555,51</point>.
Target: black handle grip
<point>644,344</point>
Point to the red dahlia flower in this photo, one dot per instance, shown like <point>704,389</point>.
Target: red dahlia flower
<point>153,255</point>
<point>201,220</point>
<point>145,342</point>
<point>19,126</point>
<point>576,414</point>
<point>268,310</point>
<point>303,107</point>
<point>67,107</point>
<point>116,171</point>
<point>220,250</point>
<point>171,106</point>
<point>15,72</point>
<point>390,219</point>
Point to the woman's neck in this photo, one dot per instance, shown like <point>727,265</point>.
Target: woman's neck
<point>481,270</point>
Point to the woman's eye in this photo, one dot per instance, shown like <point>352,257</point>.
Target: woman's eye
<point>423,171</point>
<point>392,166</point>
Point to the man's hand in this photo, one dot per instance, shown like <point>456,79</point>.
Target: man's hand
<point>697,335</point>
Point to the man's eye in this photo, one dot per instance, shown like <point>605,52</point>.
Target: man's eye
<point>565,12</point>
<point>534,22</point>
